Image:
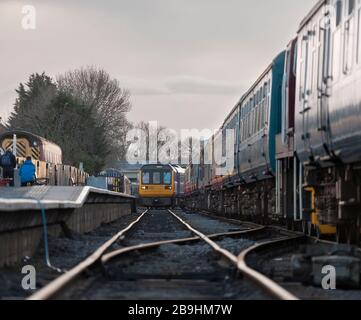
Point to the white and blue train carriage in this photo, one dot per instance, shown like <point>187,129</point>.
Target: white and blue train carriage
<point>260,122</point>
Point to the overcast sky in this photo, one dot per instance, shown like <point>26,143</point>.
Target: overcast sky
<point>186,62</point>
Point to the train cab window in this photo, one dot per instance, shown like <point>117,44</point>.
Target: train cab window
<point>156,177</point>
<point>146,178</point>
<point>167,177</point>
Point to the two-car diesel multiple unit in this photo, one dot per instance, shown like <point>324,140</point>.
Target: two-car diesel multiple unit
<point>160,185</point>
<point>297,134</point>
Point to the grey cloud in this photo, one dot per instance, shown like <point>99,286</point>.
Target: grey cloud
<point>177,57</point>
<point>193,85</point>
<point>183,85</point>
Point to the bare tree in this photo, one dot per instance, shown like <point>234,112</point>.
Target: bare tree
<point>107,101</point>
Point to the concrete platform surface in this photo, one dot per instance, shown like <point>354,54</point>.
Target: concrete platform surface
<point>50,197</point>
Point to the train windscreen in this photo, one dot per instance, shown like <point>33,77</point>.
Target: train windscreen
<point>160,177</point>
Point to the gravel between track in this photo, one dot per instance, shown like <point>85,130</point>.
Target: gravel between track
<point>188,271</point>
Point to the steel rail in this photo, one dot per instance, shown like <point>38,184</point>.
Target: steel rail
<point>267,284</point>
<point>228,220</point>
<point>115,254</point>
<point>259,278</point>
<point>59,283</point>
<point>276,227</point>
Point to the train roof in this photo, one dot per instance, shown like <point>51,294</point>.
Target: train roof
<point>232,111</point>
<point>259,79</point>
<point>309,16</point>
<point>26,134</point>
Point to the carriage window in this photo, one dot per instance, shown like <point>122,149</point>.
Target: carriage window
<point>146,178</point>
<point>348,45</point>
<point>257,119</point>
<point>295,59</point>
<point>260,116</point>
<point>167,178</point>
<point>359,37</point>
<point>253,119</point>
<point>241,131</point>
<point>246,131</point>
<point>156,177</point>
<point>338,12</point>
<point>263,108</point>
<point>351,6</point>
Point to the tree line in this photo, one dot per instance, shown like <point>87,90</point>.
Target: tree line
<point>84,111</point>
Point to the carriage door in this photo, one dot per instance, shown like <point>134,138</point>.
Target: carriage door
<point>324,79</point>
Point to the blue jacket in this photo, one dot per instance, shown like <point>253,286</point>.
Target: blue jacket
<point>27,172</point>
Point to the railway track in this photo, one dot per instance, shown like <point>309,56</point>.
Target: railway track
<point>275,260</point>
<point>184,257</point>
<point>75,272</point>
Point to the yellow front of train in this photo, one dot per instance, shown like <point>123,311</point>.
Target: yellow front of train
<point>156,186</point>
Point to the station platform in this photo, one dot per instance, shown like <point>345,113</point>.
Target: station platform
<point>67,209</point>
<point>51,197</point>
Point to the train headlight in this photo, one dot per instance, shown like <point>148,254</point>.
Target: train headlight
<point>144,188</point>
<point>168,188</point>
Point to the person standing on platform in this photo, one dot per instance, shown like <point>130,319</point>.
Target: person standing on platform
<point>27,173</point>
<point>8,163</point>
